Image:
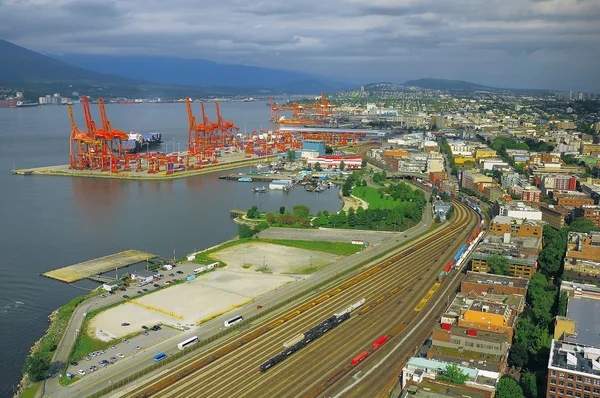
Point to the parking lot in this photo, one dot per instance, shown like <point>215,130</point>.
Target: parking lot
<point>122,351</point>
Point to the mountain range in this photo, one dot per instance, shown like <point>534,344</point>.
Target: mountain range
<point>158,76</point>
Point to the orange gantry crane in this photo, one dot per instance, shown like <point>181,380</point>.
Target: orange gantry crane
<point>275,111</point>
<point>198,137</point>
<point>78,145</point>
<point>227,129</point>
<point>113,152</point>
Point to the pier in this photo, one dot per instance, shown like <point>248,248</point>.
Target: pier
<point>92,268</point>
<point>255,177</point>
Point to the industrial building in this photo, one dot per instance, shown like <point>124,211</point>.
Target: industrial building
<point>573,370</point>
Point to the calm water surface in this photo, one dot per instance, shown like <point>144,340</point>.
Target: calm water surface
<point>49,222</point>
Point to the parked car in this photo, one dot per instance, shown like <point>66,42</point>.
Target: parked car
<point>144,327</point>
<point>145,290</point>
<point>112,359</point>
<point>171,274</point>
<point>180,272</point>
<point>103,296</point>
<point>87,358</point>
<point>124,324</point>
<point>93,354</point>
<point>145,333</point>
<point>91,369</point>
<point>156,285</point>
<point>119,355</point>
<point>168,282</point>
<point>125,341</point>
<point>125,296</point>
<point>139,292</point>
<point>112,347</point>
<point>81,372</point>
<point>155,328</point>
<point>137,347</point>
<point>73,363</point>
<point>258,307</point>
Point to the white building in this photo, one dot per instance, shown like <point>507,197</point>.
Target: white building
<point>520,210</point>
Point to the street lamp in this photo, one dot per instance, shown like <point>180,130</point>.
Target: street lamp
<point>173,144</point>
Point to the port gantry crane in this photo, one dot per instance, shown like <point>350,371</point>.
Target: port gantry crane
<point>275,111</point>
<point>78,145</point>
<point>198,137</point>
<point>227,129</point>
<point>94,134</point>
<point>113,143</point>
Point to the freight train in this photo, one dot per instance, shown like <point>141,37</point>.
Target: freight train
<point>461,256</point>
<point>312,334</point>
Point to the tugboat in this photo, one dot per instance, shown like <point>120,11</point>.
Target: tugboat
<point>259,190</point>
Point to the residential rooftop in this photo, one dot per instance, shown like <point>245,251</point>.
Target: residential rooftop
<point>489,307</point>
<point>585,311</point>
<point>431,388</point>
<point>499,280</point>
<point>574,357</point>
<point>514,221</point>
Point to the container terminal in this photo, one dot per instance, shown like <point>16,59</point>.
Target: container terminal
<point>100,150</point>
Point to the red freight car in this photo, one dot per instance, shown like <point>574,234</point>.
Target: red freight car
<point>359,358</point>
<point>448,267</point>
<point>379,342</point>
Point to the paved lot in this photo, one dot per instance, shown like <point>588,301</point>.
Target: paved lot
<point>277,258</point>
<point>326,234</point>
<point>127,349</point>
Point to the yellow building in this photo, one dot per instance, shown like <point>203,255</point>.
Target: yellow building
<point>462,159</point>
<point>485,153</point>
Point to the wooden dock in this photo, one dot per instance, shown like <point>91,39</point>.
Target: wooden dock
<point>92,268</point>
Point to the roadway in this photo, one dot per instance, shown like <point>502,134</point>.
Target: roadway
<point>392,290</point>
<point>135,361</point>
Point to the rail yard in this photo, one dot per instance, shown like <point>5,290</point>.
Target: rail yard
<point>396,292</point>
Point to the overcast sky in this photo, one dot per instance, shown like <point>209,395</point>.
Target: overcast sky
<point>551,44</point>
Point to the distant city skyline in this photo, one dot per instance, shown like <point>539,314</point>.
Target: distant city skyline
<point>545,44</point>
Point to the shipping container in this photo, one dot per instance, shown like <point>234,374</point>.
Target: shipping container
<point>472,332</point>
<point>442,276</point>
<point>379,342</point>
<point>359,358</point>
<point>448,267</point>
<point>446,326</point>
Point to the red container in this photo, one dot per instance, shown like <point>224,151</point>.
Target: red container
<point>359,358</point>
<point>446,326</point>
<point>448,267</point>
<point>379,342</point>
<point>472,332</point>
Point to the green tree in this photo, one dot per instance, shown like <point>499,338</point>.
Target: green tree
<point>498,265</point>
<point>244,231</point>
<point>347,187</point>
<point>518,355</point>
<point>508,387</point>
<point>352,219</point>
<point>450,213</point>
<point>454,374</point>
<point>528,383</point>
<point>253,212</point>
<point>364,183</point>
<point>581,224</point>
<point>317,166</point>
<point>342,165</point>
<point>301,211</point>
<point>562,303</point>
<point>437,219</point>
<point>37,366</point>
<point>291,155</point>
<point>281,209</point>
<point>363,163</point>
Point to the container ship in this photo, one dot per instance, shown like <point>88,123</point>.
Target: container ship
<point>137,141</point>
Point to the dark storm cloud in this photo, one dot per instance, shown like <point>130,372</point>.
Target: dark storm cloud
<point>383,39</point>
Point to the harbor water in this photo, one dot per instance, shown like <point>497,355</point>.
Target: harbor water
<point>50,222</point>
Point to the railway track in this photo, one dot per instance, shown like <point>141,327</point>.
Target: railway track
<point>392,289</point>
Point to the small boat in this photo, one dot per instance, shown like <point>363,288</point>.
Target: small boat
<point>259,190</point>
<point>244,179</point>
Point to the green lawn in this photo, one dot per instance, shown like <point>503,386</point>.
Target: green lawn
<point>339,248</point>
<point>372,197</point>
<point>32,390</point>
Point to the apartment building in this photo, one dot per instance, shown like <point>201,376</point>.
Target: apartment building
<point>515,226</point>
